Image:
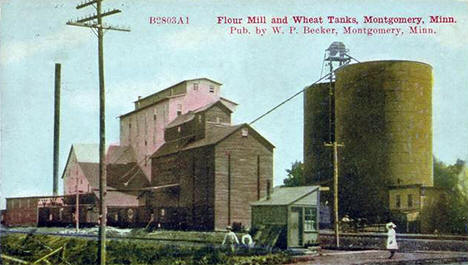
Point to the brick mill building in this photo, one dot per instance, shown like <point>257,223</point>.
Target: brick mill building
<point>180,163</point>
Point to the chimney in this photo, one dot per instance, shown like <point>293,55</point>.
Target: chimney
<point>268,191</point>
<point>56,128</point>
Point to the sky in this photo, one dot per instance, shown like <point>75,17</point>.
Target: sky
<point>258,72</point>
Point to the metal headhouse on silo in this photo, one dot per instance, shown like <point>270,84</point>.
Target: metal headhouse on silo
<point>319,119</point>
<point>383,113</point>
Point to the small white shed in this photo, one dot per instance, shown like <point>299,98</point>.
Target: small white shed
<point>296,209</point>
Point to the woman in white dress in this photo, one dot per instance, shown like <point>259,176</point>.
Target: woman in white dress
<point>392,245</point>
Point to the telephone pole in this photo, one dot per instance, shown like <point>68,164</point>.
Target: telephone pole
<point>56,128</point>
<point>335,146</point>
<point>77,207</point>
<point>94,22</point>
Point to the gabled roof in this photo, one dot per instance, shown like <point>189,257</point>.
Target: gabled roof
<point>228,100</point>
<point>213,136</point>
<point>91,172</point>
<point>117,154</point>
<point>163,95</point>
<point>122,170</point>
<point>181,119</point>
<point>286,195</point>
<point>126,176</point>
<point>119,176</point>
<point>145,107</point>
<point>181,82</point>
<point>86,153</point>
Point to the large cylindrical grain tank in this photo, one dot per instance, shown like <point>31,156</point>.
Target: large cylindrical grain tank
<point>318,129</point>
<point>384,118</point>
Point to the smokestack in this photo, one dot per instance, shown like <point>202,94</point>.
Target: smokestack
<point>56,127</point>
<point>268,191</point>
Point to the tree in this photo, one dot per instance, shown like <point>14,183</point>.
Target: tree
<point>295,175</point>
<point>450,213</point>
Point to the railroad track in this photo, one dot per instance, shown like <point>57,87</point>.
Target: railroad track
<point>113,237</point>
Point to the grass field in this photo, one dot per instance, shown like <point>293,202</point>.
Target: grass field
<point>73,250</point>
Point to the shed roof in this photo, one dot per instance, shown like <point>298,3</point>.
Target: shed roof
<point>286,195</point>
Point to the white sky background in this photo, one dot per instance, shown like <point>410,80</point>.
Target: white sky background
<point>256,72</point>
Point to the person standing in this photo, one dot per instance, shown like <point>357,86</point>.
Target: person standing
<point>247,241</point>
<point>392,245</point>
<point>230,239</point>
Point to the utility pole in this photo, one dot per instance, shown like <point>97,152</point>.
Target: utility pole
<point>56,128</point>
<point>94,22</point>
<point>77,207</point>
<point>335,146</point>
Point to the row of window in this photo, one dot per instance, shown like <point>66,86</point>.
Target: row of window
<point>195,88</point>
<point>409,201</point>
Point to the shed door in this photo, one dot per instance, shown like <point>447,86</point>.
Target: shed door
<point>295,227</point>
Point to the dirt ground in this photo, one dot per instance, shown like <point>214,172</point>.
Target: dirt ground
<point>328,257</point>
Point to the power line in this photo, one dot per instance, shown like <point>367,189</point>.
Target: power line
<point>288,99</point>
<point>298,93</point>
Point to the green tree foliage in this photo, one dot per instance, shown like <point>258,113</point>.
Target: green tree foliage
<point>449,214</point>
<point>295,175</point>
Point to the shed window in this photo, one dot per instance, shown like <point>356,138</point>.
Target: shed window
<point>195,86</point>
<point>310,218</point>
<point>212,89</point>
